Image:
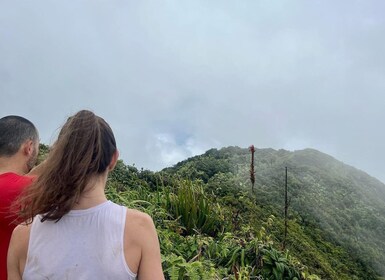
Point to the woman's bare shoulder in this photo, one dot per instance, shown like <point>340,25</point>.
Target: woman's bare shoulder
<point>142,234</point>
<point>140,230</point>
<point>139,220</point>
<point>21,232</point>
<point>17,252</point>
<point>20,238</point>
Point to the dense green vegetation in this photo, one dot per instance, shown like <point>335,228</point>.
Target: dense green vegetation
<point>337,213</point>
<point>204,236</point>
<point>211,226</point>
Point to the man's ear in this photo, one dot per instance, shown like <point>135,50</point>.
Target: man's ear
<point>28,148</point>
<point>114,160</point>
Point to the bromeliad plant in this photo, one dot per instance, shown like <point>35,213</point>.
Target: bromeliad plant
<point>276,266</point>
<point>191,206</point>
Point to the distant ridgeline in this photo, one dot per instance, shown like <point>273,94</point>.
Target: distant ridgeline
<point>212,226</point>
<point>341,210</point>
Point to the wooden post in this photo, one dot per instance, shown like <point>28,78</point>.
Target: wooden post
<point>286,208</point>
<point>252,173</point>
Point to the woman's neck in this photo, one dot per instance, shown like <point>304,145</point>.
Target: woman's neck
<point>93,194</point>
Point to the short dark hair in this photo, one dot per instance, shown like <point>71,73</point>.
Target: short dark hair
<point>14,131</point>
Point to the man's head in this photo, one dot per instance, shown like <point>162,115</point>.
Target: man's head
<point>18,136</point>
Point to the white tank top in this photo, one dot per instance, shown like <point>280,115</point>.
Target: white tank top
<point>83,245</point>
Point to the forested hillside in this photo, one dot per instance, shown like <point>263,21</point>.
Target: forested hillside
<point>211,226</point>
<point>328,199</point>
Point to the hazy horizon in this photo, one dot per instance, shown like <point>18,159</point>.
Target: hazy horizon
<point>174,79</point>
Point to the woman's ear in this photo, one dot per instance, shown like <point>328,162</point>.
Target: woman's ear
<point>114,160</point>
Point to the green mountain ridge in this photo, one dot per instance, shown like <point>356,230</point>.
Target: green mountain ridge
<point>346,204</point>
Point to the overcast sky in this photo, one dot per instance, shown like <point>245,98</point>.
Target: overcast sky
<point>175,78</point>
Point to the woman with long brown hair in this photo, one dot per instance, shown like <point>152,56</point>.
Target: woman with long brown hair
<point>71,230</point>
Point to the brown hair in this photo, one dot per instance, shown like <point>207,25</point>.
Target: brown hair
<point>84,148</point>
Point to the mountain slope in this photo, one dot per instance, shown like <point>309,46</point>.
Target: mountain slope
<point>343,205</point>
